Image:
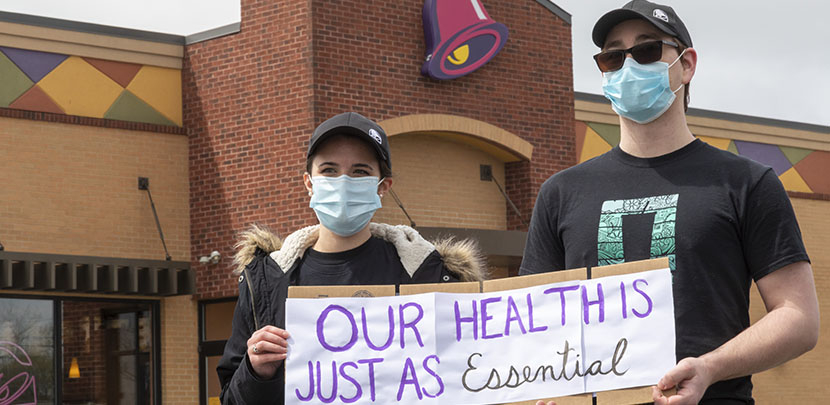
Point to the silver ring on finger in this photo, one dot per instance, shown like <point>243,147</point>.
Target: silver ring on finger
<point>256,350</point>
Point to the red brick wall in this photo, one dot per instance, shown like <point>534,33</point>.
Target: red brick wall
<point>248,109</point>
<point>368,55</point>
<point>252,99</point>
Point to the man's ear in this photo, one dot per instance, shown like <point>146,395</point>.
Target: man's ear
<point>385,186</point>
<point>689,61</point>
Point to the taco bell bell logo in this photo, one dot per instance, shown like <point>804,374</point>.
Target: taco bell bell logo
<point>460,38</point>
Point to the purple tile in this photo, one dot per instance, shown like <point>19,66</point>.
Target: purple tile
<point>34,64</point>
<point>769,155</point>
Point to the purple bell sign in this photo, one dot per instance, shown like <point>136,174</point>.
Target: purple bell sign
<point>460,38</point>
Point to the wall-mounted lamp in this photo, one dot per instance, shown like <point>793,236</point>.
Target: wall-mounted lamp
<point>212,259</point>
<point>74,371</point>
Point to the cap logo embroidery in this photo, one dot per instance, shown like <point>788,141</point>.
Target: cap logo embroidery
<point>376,136</point>
<point>660,14</point>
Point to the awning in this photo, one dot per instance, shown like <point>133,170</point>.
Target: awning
<point>88,274</point>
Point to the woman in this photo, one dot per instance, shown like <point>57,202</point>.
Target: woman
<point>347,173</point>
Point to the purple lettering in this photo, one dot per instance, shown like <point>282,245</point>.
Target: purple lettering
<point>460,319</point>
<point>333,384</point>
<point>411,325</point>
<point>310,395</point>
<point>358,389</point>
<point>622,298</point>
<point>391,315</point>
<point>409,368</point>
<point>434,374</point>
<point>322,319</point>
<point>586,304</point>
<point>512,316</point>
<point>561,291</point>
<point>648,299</point>
<point>371,363</point>
<point>530,316</point>
<point>485,317</point>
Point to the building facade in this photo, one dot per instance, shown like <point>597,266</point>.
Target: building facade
<point>130,157</point>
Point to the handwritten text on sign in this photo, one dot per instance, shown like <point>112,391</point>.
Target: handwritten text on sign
<point>543,341</point>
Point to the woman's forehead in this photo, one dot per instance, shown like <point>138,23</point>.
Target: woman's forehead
<point>346,148</point>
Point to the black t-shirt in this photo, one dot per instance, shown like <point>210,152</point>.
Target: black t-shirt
<point>723,220</point>
<point>375,262</point>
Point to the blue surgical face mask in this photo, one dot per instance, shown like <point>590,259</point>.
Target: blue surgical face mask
<point>344,205</point>
<point>638,92</point>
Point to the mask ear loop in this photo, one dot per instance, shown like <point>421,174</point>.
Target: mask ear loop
<point>379,183</point>
<point>672,64</point>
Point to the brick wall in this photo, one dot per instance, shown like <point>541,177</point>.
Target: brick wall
<point>799,381</point>
<point>73,189</point>
<point>179,357</point>
<point>368,54</point>
<point>252,100</point>
<point>248,108</point>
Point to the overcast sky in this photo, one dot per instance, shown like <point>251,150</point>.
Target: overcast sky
<point>755,57</point>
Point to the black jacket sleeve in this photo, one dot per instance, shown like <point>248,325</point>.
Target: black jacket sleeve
<point>240,385</point>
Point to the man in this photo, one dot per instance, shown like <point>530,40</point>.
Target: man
<point>722,220</point>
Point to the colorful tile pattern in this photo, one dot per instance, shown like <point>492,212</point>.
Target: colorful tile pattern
<point>65,84</point>
<point>34,64</point>
<point>13,82</point>
<point>799,169</point>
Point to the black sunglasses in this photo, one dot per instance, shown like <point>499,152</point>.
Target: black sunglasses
<point>646,52</point>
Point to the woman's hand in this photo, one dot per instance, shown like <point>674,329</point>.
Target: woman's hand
<point>267,349</point>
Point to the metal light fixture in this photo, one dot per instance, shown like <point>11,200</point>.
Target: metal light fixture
<point>214,258</point>
<point>74,371</point>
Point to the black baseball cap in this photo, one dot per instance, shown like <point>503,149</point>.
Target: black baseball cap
<point>662,17</point>
<point>352,123</point>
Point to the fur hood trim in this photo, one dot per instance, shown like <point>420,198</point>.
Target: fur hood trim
<point>461,257</point>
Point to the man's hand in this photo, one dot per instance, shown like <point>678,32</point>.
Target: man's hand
<point>267,349</point>
<point>691,378</point>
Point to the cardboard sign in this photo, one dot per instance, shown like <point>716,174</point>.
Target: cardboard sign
<point>549,340</point>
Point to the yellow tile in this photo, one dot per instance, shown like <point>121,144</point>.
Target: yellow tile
<point>80,89</point>
<point>719,143</point>
<point>594,145</point>
<point>793,182</point>
<point>161,88</point>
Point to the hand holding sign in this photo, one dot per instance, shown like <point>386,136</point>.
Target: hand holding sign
<point>267,349</point>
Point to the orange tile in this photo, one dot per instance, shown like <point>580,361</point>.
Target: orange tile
<point>36,100</point>
<point>121,72</point>
<point>814,170</point>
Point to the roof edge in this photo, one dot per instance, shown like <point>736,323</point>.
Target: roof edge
<point>213,33</point>
<point>720,115</point>
<point>90,28</point>
<point>553,8</point>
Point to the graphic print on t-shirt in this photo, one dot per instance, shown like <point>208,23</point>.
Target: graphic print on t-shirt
<point>637,229</point>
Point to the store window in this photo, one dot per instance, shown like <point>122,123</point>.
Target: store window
<point>27,351</point>
<point>105,350</point>
<point>107,353</point>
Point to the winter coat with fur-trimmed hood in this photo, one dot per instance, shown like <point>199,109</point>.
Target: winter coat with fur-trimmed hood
<point>266,267</point>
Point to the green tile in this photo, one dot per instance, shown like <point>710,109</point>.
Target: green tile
<point>610,133</point>
<point>794,155</point>
<point>732,148</point>
<point>13,82</point>
<point>128,107</point>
